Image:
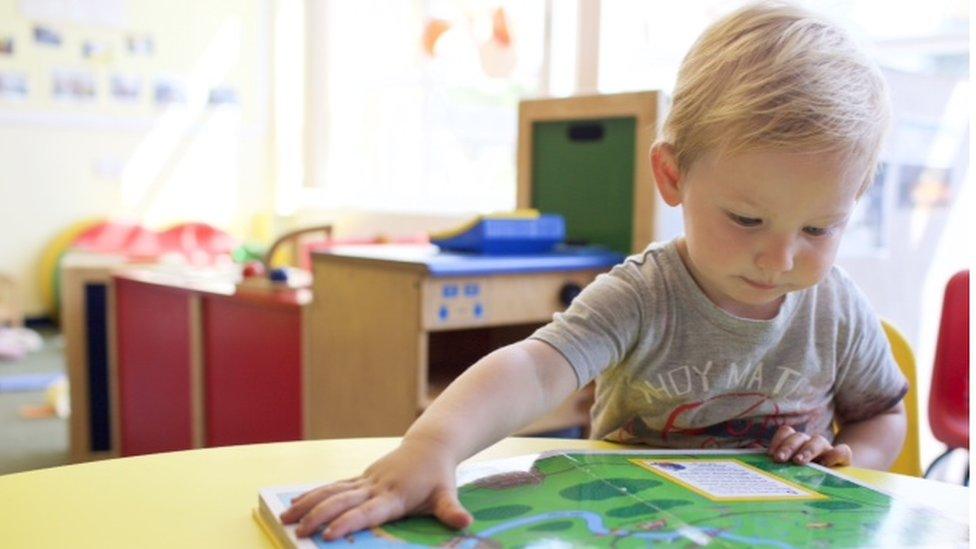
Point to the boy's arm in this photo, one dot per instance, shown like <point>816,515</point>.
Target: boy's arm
<point>875,442</point>
<point>501,393</point>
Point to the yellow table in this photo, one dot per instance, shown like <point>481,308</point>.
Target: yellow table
<point>203,498</point>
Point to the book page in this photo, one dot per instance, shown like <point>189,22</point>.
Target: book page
<point>727,480</point>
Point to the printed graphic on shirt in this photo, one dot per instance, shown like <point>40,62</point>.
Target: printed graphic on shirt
<point>746,413</point>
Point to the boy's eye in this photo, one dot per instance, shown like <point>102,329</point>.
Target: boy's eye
<point>745,221</point>
<point>815,231</point>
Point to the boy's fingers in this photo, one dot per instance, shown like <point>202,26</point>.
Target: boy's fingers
<point>334,486</point>
<point>781,434</point>
<point>836,456</point>
<point>319,488</point>
<point>811,449</point>
<point>304,502</point>
<point>448,509</point>
<point>382,509</point>
<point>374,512</point>
<point>329,509</point>
<point>789,446</point>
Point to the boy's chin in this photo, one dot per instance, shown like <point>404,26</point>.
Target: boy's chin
<point>760,299</point>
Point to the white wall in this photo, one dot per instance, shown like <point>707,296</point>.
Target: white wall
<point>64,162</point>
<point>906,278</point>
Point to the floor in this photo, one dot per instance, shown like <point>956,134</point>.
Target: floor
<point>27,444</point>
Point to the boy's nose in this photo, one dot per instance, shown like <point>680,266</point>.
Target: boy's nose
<point>775,255</point>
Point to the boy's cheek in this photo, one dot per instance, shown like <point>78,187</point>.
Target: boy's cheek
<point>724,246</point>
<point>815,261</point>
<point>810,275</point>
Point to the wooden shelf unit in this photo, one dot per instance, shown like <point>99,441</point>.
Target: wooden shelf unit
<point>387,335</point>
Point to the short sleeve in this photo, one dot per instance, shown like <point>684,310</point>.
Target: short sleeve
<point>869,380</point>
<point>601,325</point>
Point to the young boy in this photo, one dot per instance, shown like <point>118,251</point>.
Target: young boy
<point>739,334</point>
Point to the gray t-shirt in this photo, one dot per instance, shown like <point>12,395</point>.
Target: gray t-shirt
<point>674,370</point>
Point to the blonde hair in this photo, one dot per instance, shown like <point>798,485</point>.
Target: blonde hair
<point>774,76</point>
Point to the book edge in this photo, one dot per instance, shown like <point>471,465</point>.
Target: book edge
<point>270,525</point>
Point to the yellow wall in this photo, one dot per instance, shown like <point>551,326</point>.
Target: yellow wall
<point>61,162</point>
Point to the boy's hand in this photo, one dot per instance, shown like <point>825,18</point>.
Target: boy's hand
<point>788,444</point>
<point>413,479</point>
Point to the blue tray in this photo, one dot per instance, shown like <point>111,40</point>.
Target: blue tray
<point>490,236</point>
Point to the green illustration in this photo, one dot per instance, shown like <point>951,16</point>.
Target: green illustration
<point>608,500</point>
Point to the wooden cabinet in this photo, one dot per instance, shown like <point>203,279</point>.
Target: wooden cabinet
<point>390,327</point>
<point>87,323</point>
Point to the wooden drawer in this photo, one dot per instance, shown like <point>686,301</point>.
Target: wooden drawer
<point>463,302</point>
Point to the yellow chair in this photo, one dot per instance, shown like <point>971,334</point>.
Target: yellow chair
<point>909,461</point>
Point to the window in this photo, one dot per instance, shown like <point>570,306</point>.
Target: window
<point>412,105</point>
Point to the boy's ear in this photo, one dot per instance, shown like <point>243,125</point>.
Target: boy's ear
<point>667,176</point>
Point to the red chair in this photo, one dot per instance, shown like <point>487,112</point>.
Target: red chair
<point>120,238</point>
<point>949,396</point>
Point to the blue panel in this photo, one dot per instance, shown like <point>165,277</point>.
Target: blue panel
<point>448,264</point>
<point>444,264</point>
<point>96,325</point>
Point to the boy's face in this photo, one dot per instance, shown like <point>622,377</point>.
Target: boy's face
<point>760,224</point>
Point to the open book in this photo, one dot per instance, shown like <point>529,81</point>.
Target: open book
<point>681,498</point>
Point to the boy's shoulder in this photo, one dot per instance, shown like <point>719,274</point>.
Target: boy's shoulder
<point>655,257</point>
<point>840,295</point>
<point>653,266</point>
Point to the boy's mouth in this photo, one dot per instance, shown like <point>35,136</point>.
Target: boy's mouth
<point>759,285</point>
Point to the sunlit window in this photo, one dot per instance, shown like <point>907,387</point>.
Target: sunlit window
<point>417,102</point>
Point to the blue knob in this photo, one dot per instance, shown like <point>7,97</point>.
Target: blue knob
<point>278,275</point>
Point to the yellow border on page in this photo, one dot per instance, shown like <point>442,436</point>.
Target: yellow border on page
<point>810,494</point>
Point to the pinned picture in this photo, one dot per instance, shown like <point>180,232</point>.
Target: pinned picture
<point>6,45</point>
<point>140,44</point>
<point>13,86</point>
<point>73,85</point>
<point>125,88</point>
<point>169,91</point>
<point>223,95</point>
<point>47,36</point>
<point>96,51</point>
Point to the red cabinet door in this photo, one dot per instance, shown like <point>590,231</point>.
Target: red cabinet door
<point>153,338</point>
<point>253,364</point>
